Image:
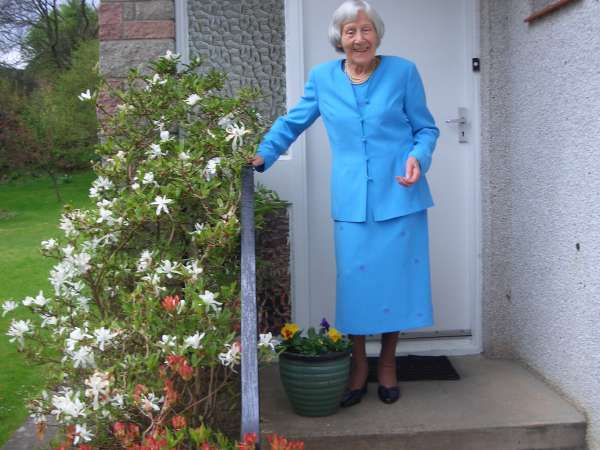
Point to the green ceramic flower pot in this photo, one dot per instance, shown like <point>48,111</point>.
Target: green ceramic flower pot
<point>314,384</point>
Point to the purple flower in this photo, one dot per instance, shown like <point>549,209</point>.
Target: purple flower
<point>325,324</point>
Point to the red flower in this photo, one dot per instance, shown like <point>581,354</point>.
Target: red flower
<point>186,371</point>
<point>170,302</point>
<point>281,443</point>
<point>119,429</point>
<point>181,366</point>
<point>179,422</point>
<point>170,393</point>
<point>249,442</point>
<point>138,391</point>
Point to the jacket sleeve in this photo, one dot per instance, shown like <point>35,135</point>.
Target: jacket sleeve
<point>425,133</point>
<point>286,129</point>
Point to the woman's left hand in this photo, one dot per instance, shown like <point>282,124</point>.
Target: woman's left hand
<point>413,172</point>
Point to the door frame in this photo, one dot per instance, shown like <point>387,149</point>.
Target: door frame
<point>299,236</point>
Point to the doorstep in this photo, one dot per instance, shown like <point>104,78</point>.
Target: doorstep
<point>496,405</point>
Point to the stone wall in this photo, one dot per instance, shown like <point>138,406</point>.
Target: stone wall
<point>246,40</point>
<point>131,34</point>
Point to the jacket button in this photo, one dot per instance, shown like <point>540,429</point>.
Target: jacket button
<point>364,139</point>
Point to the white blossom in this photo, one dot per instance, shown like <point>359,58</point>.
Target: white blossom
<point>135,186</point>
<point>8,306</point>
<point>235,133</point>
<point>168,268</point>
<point>75,336</point>
<point>103,336</point>
<point>68,250</point>
<point>17,331</point>
<point>164,135</point>
<point>193,99</point>
<point>156,79</point>
<point>193,341</point>
<point>167,341</point>
<point>50,244</point>
<point>231,357</point>
<point>155,150</point>
<point>266,340</point>
<point>225,121</point>
<point>151,402</point>
<point>208,299</point>
<point>81,262</point>
<point>82,434</point>
<point>105,215</point>
<point>83,357</point>
<point>84,96</point>
<point>211,168</point>
<point>149,179</point>
<point>60,275</point>
<point>145,261</point>
<point>98,388</point>
<point>170,55</point>
<point>184,156</point>
<point>194,270</point>
<point>67,226</point>
<point>68,405</point>
<point>48,320</point>
<point>159,124</point>
<point>102,184</point>
<point>118,401</point>
<point>161,203</point>
<point>38,300</point>
<point>154,280</point>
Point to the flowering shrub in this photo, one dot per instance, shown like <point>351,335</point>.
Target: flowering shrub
<point>140,335</point>
<point>327,339</point>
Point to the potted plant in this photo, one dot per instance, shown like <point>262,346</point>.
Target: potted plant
<point>314,368</point>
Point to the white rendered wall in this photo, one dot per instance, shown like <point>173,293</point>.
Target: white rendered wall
<point>541,195</point>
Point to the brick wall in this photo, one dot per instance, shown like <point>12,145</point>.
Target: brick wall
<point>131,34</point>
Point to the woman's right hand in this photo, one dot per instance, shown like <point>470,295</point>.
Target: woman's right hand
<point>257,161</point>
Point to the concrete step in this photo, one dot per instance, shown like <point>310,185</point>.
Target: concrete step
<point>496,405</point>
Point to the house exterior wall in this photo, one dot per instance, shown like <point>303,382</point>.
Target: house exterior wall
<point>541,104</point>
<point>246,40</point>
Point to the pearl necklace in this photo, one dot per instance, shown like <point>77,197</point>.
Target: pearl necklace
<point>361,78</point>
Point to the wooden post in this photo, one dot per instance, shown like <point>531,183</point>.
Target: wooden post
<point>250,399</point>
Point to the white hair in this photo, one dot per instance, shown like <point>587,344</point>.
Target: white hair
<point>347,12</point>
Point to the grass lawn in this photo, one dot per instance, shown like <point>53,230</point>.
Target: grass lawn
<point>33,214</point>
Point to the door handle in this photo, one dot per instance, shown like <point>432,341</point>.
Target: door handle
<point>462,123</point>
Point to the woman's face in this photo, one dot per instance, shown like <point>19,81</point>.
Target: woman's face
<point>359,40</point>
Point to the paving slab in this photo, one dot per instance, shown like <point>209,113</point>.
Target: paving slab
<point>497,404</point>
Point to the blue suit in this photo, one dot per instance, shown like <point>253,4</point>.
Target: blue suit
<point>394,124</point>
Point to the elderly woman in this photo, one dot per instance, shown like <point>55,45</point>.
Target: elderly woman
<point>382,136</point>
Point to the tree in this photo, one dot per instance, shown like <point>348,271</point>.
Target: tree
<point>62,128</point>
<point>45,31</point>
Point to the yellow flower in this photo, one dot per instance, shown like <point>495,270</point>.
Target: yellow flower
<point>334,334</point>
<point>289,330</point>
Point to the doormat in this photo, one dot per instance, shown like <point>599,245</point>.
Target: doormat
<point>417,367</point>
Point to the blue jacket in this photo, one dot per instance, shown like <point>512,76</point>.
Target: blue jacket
<point>395,124</point>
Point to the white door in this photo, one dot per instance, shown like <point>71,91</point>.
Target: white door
<point>440,36</point>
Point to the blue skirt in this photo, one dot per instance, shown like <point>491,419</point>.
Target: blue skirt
<point>383,280</point>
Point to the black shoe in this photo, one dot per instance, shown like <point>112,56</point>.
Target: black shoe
<point>354,396</point>
<point>388,395</point>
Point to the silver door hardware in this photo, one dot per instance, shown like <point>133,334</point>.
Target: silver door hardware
<point>462,123</point>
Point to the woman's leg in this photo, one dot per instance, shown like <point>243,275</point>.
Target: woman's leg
<point>386,366</point>
<point>360,366</point>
